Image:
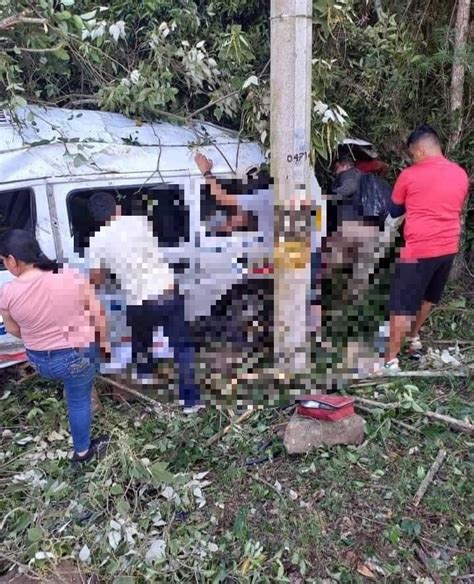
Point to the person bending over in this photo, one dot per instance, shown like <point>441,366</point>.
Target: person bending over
<point>57,315</point>
<point>126,248</point>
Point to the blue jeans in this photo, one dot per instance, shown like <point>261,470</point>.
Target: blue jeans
<point>168,313</point>
<point>76,368</point>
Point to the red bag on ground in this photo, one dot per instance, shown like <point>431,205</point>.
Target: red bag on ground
<point>330,408</point>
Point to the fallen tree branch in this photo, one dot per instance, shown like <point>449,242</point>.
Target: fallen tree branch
<point>454,423</point>
<point>12,21</point>
<point>266,483</point>
<point>425,483</point>
<point>151,401</point>
<point>57,47</point>
<point>426,373</point>
<point>229,427</point>
<point>450,342</point>
<point>212,103</point>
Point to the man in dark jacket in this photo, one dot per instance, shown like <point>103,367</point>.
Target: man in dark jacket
<point>353,242</point>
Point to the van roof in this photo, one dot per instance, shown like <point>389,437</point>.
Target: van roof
<point>37,142</point>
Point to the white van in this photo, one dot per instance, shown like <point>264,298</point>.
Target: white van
<point>52,160</point>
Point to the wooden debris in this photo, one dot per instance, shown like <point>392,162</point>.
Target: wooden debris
<point>454,423</point>
<point>448,342</point>
<point>131,391</point>
<point>425,483</point>
<point>427,373</point>
<point>229,427</point>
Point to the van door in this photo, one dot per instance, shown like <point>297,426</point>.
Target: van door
<point>23,205</point>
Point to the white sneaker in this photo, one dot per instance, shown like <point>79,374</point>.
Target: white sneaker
<point>190,410</point>
<point>389,368</point>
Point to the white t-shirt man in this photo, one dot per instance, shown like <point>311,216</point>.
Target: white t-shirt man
<point>128,249</point>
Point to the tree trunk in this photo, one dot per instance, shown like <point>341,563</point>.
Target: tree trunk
<point>457,77</point>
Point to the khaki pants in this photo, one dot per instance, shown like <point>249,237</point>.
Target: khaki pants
<point>357,247</point>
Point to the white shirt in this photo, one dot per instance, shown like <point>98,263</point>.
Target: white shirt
<point>128,249</point>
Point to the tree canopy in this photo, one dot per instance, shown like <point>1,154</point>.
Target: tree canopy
<point>379,67</point>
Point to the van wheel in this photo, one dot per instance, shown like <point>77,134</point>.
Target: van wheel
<point>246,316</point>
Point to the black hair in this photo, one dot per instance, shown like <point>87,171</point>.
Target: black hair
<point>23,246</point>
<point>423,131</point>
<point>346,159</point>
<point>102,206</point>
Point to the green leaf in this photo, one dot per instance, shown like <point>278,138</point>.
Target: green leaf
<point>123,507</point>
<point>34,534</point>
<point>64,15</point>
<point>160,474</point>
<point>351,457</point>
<point>24,519</point>
<point>394,535</point>
<point>417,408</point>
<point>62,54</point>
<point>116,490</point>
<point>410,526</point>
<point>78,22</point>
<point>458,303</point>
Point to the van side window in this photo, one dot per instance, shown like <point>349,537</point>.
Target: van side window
<point>163,204</point>
<point>16,211</point>
<point>215,217</point>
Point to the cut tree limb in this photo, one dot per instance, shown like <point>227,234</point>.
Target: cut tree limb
<point>151,401</point>
<point>426,482</point>
<point>426,373</point>
<point>12,21</point>
<point>454,423</point>
<point>229,427</point>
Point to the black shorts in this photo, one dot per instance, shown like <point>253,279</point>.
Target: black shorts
<point>417,281</point>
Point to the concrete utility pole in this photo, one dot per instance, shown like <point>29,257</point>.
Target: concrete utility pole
<point>291,45</point>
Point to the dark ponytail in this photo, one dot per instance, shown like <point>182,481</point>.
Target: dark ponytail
<point>23,246</point>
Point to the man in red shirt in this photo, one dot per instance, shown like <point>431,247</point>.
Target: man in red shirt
<point>432,192</point>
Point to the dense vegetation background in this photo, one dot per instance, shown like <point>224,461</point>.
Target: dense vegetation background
<point>380,66</point>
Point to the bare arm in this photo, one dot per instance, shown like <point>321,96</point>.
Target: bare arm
<point>10,324</point>
<point>97,277</point>
<point>220,194</point>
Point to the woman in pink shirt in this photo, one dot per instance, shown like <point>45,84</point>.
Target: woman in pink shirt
<point>55,312</point>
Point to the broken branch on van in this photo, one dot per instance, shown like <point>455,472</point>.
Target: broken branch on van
<point>45,50</point>
<point>12,21</point>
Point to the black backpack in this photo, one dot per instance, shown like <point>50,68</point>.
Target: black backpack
<point>374,196</point>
